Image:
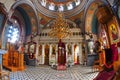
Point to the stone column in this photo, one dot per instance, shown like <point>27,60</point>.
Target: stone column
<point>43,53</point>
<point>50,52</point>
<point>80,53</point>
<point>37,51</point>
<point>73,53</point>
<point>66,48</point>
<point>56,58</point>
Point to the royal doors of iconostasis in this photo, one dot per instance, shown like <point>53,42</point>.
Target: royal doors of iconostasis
<point>46,54</point>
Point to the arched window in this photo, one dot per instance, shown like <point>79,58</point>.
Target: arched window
<point>61,8</point>
<point>13,32</point>
<point>77,2</point>
<point>52,6</point>
<point>70,6</point>
<point>43,3</point>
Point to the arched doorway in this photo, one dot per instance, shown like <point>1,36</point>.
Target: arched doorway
<point>76,54</point>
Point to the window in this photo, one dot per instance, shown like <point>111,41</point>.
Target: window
<point>13,34</point>
<point>13,31</point>
<point>70,6</point>
<point>52,6</point>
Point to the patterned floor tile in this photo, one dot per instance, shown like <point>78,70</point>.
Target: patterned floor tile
<point>47,73</point>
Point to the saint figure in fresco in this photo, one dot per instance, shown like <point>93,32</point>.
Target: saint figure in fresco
<point>114,32</point>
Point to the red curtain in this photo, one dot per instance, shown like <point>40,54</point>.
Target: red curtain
<point>114,52</point>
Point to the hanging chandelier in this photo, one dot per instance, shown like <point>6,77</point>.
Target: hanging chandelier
<point>60,28</point>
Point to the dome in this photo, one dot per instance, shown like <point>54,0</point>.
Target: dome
<point>68,7</point>
<point>59,5</point>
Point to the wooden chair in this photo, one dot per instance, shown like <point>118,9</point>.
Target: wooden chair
<point>4,75</point>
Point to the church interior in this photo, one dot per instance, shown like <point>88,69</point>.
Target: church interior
<point>59,39</point>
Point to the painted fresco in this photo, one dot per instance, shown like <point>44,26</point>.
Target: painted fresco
<point>113,31</point>
<point>104,38</point>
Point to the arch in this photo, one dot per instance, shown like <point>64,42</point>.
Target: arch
<point>89,19</point>
<point>26,19</point>
<point>29,13</point>
<point>3,18</point>
<point>90,15</point>
<point>118,11</point>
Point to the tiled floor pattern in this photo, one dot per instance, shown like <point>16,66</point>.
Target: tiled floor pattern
<point>47,73</point>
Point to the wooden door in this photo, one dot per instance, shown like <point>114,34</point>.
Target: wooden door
<point>46,55</point>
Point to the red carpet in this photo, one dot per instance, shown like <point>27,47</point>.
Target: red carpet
<point>104,75</point>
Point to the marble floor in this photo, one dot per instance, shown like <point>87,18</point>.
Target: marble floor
<point>76,72</point>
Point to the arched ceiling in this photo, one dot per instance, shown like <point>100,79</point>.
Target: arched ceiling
<point>27,9</point>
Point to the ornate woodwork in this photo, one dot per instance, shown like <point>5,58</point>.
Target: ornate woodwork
<point>30,51</point>
<point>13,61</point>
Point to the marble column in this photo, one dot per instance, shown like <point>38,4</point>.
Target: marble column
<point>80,53</point>
<point>37,51</point>
<point>56,59</point>
<point>73,53</point>
<point>66,48</point>
<point>43,53</point>
<point>50,52</point>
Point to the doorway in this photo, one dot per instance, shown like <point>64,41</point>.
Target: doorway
<point>46,55</point>
<point>76,56</point>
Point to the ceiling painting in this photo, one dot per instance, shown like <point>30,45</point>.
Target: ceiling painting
<point>32,17</point>
<point>89,16</point>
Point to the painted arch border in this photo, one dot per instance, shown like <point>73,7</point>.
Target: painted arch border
<point>31,5</point>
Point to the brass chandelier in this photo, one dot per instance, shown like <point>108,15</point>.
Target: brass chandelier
<point>60,28</point>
